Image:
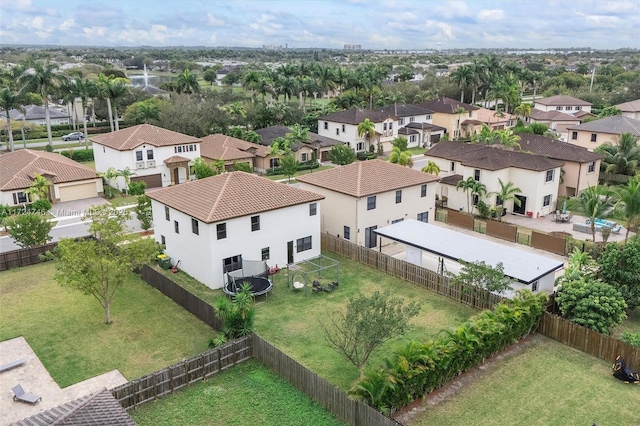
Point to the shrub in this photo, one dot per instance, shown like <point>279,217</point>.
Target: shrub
<point>137,187</point>
<point>237,315</point>
<point>631,338</point>
<point>48,148</point>
<point>41,205</point>
<point>217,341</point>
<point>80,155</point>
<point>361,156</point>
<point>484,211</point>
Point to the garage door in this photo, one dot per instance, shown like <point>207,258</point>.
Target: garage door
<point>152,181</point>
<point>78,192</point>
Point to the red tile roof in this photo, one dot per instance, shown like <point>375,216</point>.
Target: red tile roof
<point>230,195</point>
<point>225,147</point>
<point>176,159</point>
<point>364,178</point>
<point>132,137</point>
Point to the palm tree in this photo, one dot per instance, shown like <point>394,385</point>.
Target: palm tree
<point>108,177</point>
<point>508,139</point>
<point>103,86</point>
<point>467,186</point>
<point>621,157</point>
<point>298,133</point>
<point>400,157</point>
<point>85,90</point>
<point>507,192</point>
<point>45,81</point>
<point>250,81</point>
<point>118,89</point>
<point>627,203</point>
<point>126,173</point>
<point>325,78</point>
<point>10,99</point>
<point>39,187</point>
<point>432,168</point>
<point>478,190</point>
<point>593,202</point>
<point>367,130</point>
<point>523,110</point>
<point>462,76</point>
<point>187,83</point>
<point>486,136</point>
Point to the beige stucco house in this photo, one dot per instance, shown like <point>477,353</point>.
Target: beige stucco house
<point>592,134</point>
<point>343,126</point>
<point>317,148</point>
<point>445,115</point>
<point>233,150</point>
<point>362,196</point>
<point>630,109</point>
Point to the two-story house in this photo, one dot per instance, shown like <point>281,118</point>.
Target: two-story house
<point>592,134</point>
<point>451,114</point>
<point>630,109</point>
<point>343,126</point>
<point>563,103</point>
<point>157,156</point>
<point>233,150</point>
<point>537,176</point>
<point>211,225</point>
<point>317,148</point>
<point>362,196</point>
<point>556,121</point>
<point>415,123</point>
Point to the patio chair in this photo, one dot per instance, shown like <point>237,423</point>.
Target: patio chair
<point>616,229</point>
<point>20,395</point>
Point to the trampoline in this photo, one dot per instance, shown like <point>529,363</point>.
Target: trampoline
<point>255,273</point>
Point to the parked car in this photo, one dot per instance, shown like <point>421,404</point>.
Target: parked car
<point>75,136</point>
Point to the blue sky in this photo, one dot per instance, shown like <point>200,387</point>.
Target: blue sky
<point>420,24</point>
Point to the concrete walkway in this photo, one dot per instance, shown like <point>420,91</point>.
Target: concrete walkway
<point>35,379</point>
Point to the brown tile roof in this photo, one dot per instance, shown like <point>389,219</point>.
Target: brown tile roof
<point>132,137</point>
<point>97,409</point>
<point>229,195</point>
<point>631,106</point>
<point>176,159</point>
<point>224,147</point>
<point>558,150</point>
<point>364,178</point>
<point>488,116</point>
<point>562,100</point>
<point>615,125</point>
<point>425,126</point>
<point>490,158</point>
<point>268,134</point>
<point>581,114</point>
<point>446,105</point>
<point>403,110</point>
<point>451,180</point>
<point>356,116</point>
<point>538,114</point>
<point>18,168</point>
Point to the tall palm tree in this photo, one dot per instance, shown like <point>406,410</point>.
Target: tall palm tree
<point>187,83</point>
<point>627,203</point>
<point>85,90</point>
<point>467,186</point>
<point>621,157</point>
<point>523,110</point>
<point>367,130</point>
<point>250,81</point>
<point>462,76</point>
<point>593,202</point>
<point>507,192</point>
<point>432,168</point>
<point>326,79</point>
<point>103,90</point>
<point>10,99</point>
<point>43,79</point>
<point>118,89</point>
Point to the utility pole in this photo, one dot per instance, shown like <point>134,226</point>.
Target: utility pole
<point>593,73</point>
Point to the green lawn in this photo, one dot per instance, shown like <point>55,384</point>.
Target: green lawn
<point>548,384</point>
<point>417,150</point>
<point>631,323</point>
<point>120,200</point>
<point>66,328</point>
<point>300,173</point>
<point>248,394</point>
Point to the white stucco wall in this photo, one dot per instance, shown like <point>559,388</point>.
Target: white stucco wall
<point>201,255</point>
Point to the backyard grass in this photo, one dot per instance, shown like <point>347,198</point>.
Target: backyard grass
<point>630,324</point>
<point>417,150</point>
<point>247,394</point>
<point>547,384</point>
<point>66,328</point>
<point>300,173</point>
<point>120,200</point>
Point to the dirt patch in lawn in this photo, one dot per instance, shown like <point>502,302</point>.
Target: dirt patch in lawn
<point>406,414</point>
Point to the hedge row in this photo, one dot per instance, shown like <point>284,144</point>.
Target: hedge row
<point>308,165</point>
<point>79,155</point>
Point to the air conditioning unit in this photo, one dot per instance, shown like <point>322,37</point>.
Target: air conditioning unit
<point>140,165</point>
<point>151,163</point>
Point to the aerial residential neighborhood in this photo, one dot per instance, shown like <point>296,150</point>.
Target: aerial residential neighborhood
<point>319,213</point>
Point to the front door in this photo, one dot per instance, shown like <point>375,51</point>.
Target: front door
<point>176,176</point>
<point>370,238</point>
<point>289,252</point>
<point>522,208</point>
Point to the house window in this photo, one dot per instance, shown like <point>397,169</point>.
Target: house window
<point>149,154</point>
<point>391,126</point>
<point>547,200</point>
<point>255,223</point>
<point>166,213</point>
<point>592,167</point>
<point>559,108</point>
<point>232,263</point>
<point>180,149</point>
<point>499,201</point>
<point>192,170</point>
<point>175,149</point>
<point>138,155</point>
<point>476,198</point>
<point>265,253</point>
<point>384,126</point>
<point>476,175</point>
<point>594,137</point>
<point>190,148</point>
<point>360,146</point>
<point>452,166</point>
<point>195,227</point>
<point>401,121</point>
<point>574,135</point>
<point>370,237</point>
<point>176,226</point>
<point>412,138</point>
<point>371,202</point>
<point>397,220</point>
<point>303,244</point>
<point>221,231</point>
<point>303,157</point>
<point>423,190</point>
<point>344,128</point>
<point>313,209</point>
<point>549,176</point>
<point>163,241</point>
<point>326,125</point>
<point>534,286</point>
<point>20,198</point>
<point>423,217</point>
<point>274,162</point>
<point>578,108</point>
<point>568,109</point>
<point>347,233</point>
<point>412,119</point>
<point>428,117</point>
<point>398,196</point>
<point>337,132</point>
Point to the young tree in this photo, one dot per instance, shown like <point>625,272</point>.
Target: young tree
<point>620,267</point>
<point>99,266</point>
<point>238,315</point>
<point>480,275</point>
<point>29,229</point>
<point>289,166</point>
<point>342,155</point>
<point>143,212</point>
<point>508,192</point>
<point>593,202</point>
<point>367,323</point>
<point>627,203</point>
<point>201,169</point>
<point>432,168</point>
<point>39,187</point>
<point>367,130</point>
<point>402,158</point>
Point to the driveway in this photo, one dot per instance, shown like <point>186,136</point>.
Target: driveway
<point>77,208</point>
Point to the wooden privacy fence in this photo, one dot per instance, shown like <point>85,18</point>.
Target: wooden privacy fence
<point>469,295</point>
<point>192,303</point>
<point>321,391</point>
<point>24,257</point>
<point>587,340</point>
<point>556,245</point>
<point>177,376</point>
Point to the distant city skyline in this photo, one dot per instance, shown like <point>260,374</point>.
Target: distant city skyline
<point>390,24</point>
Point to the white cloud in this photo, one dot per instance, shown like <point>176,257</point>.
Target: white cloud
<point>37,22</point>
<point>601,21</point>
<point>22,5</point>
<point>446,31</point>
<point>43,34</point>
<point>158,32</point>
<point>92,32</point>
<point>213,38</point>
<point>67,25</point>
<point>213,21</point>
<point>492,14</point>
